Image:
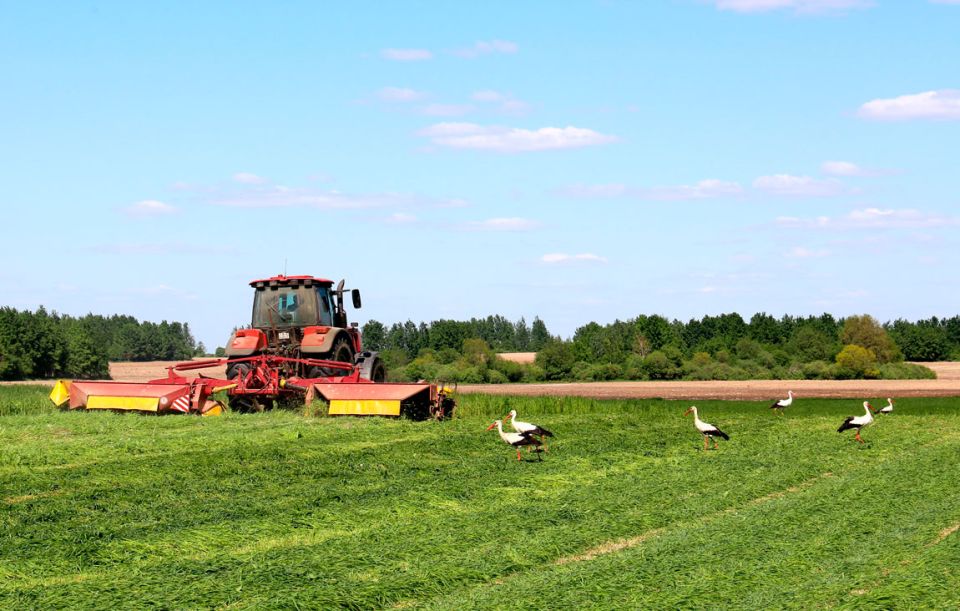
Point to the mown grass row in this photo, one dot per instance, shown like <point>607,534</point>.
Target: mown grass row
<point>278,510</point>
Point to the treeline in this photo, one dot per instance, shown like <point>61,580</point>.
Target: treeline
<point>654,347</point>
<point>44,345</point>
<point>408,339</point>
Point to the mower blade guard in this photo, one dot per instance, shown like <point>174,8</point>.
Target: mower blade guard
<point>384,399</point>
<point>124,396</point>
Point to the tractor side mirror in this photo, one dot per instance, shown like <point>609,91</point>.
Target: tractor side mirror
<point>355,294</point>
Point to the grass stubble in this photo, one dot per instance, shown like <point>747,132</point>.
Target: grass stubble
<point>277,510</point>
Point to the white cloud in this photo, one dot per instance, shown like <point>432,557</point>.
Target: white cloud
<point>874,218</point>
<point>247,178</point>
<point>400,94</point>
<point>939,104</point>
<point>512,139</point>
<point>945,1</point>
<point>150,207</point>
<point>704,189</point>
<point>797,6</point>
<point>800,186</point>
<point>560,258</point>
<point>406,55</point>
<point>487,48</point>
<point>503,224</point>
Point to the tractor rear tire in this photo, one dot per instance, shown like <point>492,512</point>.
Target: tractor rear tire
<point>342,351</point>
<point>234,369</point>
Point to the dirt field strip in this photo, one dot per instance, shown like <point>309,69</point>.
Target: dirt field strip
<point>947,384</point>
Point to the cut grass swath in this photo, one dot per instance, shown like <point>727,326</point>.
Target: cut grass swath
<point>279,510</point>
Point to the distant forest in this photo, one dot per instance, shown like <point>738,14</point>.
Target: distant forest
<point>38,344</point>
<point>44,345</point>
<point>724,347</point>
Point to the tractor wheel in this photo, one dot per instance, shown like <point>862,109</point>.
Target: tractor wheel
<point>342,351</point>
<point>371,367</point>
<point>245,404</point>
<point>235,369</point>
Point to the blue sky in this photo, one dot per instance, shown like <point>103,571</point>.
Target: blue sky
<point>575,161</point>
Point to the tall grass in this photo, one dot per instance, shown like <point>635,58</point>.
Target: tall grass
<point>16,400</point>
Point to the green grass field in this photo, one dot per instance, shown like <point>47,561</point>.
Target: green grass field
<point>275,510</point>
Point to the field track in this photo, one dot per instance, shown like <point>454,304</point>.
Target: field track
<point>947,384</point>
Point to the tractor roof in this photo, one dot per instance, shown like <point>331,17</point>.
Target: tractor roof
<point>290,281</point>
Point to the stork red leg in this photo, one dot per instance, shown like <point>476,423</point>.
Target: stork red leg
<point>518,454</point>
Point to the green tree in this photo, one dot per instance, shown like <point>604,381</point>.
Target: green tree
<point>374,335</point>
<point>539,336</point>
<point>556,359</point>
<point>865,331</point>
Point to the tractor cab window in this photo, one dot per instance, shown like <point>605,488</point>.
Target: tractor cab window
<point>326,309</point>
<point>288,306</point>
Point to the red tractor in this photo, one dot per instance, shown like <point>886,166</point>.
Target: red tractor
<point>299,349</point>
<point>300,318</point>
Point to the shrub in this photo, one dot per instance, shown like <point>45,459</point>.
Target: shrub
<point>857,362</point>
<point>496,377</point>
<point>816,370</point>
<point>906,371</point>
<point>657,366</point>
<point>607,371</point>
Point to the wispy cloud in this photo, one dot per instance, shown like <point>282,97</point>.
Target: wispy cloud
<point>406,55</point>
<point>150,207</point>
<point>800,186</point>
<point>246,178</point>
<point>401,218</point>
<point>562,258</point>
<point>704,189</point>
<point>512,139</point>
<point>800,252</point>
<point>796,6</point>
<point>487,48</point>
<point>940,104</point>
<point>502,224</point>
<point>503,102</point>
<point>849,169</point>
<point>400,94</point>
<point>873,218</point>
<point>446,110</point>
<point>161,248</point>
<point>278,196</point>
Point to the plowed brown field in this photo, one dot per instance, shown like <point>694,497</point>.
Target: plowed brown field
<point>946,384</point>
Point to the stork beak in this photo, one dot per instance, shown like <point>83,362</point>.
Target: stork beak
<point>491,426</point>
<point>507,417</point>
<point>688,411</point>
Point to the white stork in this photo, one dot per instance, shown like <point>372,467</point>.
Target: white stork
<point>782,403</point>
<point>517,440</point>
<point>888,408</point>
<point>858,422</point>
<point>527,428</point>
<point>706,429</point>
